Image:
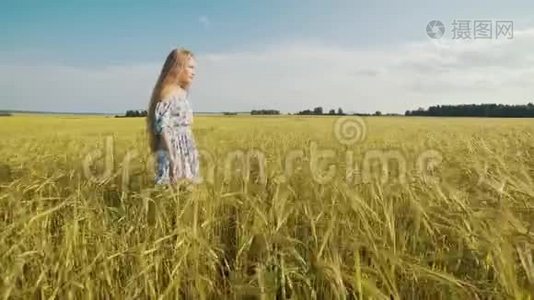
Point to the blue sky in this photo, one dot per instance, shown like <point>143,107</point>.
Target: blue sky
<point>104,56</point>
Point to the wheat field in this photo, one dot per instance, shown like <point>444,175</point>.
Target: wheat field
<point>412,208</point>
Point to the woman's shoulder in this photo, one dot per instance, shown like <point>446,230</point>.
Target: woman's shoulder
<point>167,97</point>
<point>172,94</point>
<point>165,104</point>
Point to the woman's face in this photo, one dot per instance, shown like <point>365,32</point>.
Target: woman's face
<point>188,72</point>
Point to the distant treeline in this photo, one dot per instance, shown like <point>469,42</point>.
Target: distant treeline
<point>5,114</point>
<point>476,110</point>
<point>316,111</point>
<point>265,112</point>
<point>462,110</point>
<point>133,114</point>
<point>319,111</point>
<point>377,113</point>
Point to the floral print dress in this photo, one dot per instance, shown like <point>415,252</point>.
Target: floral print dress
<point>175,116</point>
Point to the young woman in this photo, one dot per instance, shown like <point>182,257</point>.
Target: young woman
<point>169,120</point>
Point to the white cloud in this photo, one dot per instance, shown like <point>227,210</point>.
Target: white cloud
<point>297,76</point>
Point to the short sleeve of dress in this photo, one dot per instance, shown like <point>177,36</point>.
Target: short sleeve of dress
<point>162,116</point>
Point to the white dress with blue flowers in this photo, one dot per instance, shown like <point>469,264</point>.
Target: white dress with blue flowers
<point>175,116</point>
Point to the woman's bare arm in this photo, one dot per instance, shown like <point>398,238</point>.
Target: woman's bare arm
<point>165,135</point>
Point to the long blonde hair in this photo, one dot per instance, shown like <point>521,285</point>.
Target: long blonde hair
<point>169,76</point>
